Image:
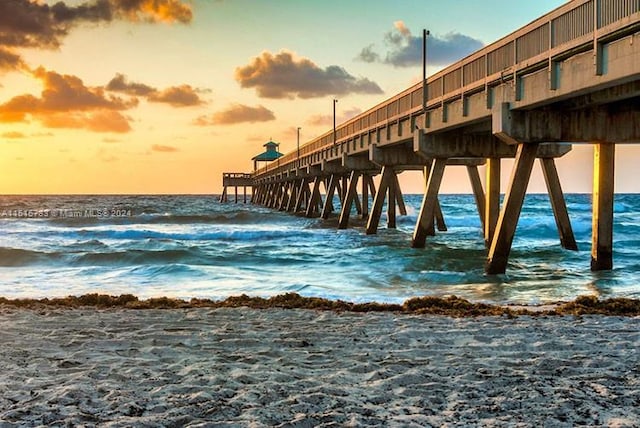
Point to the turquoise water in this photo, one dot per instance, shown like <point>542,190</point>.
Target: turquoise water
<point>193,246</point>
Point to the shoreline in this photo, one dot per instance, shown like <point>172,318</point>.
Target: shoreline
<point>451,306</point>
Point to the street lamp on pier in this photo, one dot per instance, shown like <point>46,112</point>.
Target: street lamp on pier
<point>335,140</point>
<point>298,139</point>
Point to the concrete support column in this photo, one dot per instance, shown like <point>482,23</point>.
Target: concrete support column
<point>365,196</point>
<point>294,195</point>
<point>315,197</point>
<point>356,198</point>
<point>558,204</point>
<point>370,190</point>
<point>424,225</point>
<point>510,213</point>
<point>378,200</point>
<point>399,198</point>
<point>302,193</point>
<point>440,223</point>
<point>328,202</point>
<point>348,200</point>
<point>391,202</point>
<point>492,201</point>
<point>284,196</point>
<point>478,192</point>
<point>603,191</point>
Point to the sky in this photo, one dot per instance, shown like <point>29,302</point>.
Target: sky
<point>163,96</point>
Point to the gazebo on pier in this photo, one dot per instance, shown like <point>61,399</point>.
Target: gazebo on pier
<point>271,153</point>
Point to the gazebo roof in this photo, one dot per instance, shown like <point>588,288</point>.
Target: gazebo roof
<point>270,154</point>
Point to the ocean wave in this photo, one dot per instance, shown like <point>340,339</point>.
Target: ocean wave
<point>141,257</point>
<point>16,257</point>
<point>219,235</point>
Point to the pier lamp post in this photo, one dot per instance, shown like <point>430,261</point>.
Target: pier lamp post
<point>335,140</point>
<point>425,98</point>
<point>298,139</point>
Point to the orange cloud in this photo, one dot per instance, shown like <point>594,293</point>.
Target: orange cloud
<point>176,96</point>
<point>65,102</point>
<point>237,113</point>
<point>66,92</point>
<point>153,10</point>
<point>120,84</point>
<point>36,24</point>
<point>164,149</point>
<point>284,76</point>
<point>9,61</point>
<point>100,121</point>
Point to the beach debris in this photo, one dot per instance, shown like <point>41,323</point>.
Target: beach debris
<point>448,306</point>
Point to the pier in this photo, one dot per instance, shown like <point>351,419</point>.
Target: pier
<point>235,180</point>
<point>570,77</point>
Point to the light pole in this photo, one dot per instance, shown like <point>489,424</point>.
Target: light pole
<point>335,140</point>
<point>425,99</point>
<point>299,146</point>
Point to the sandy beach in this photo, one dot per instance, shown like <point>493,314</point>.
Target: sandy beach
<point>304,368</point>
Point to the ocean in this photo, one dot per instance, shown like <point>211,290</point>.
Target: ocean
<point>194,246</point>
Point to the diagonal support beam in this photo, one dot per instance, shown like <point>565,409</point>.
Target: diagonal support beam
<point>378,200</point>
<point>328,202</point>
<point>365,196</point>
<point>348,200</point>
<point>558,204</point>
<point>492,201</point>
<point>315,197</point>
<point>399,198</point>
<point>391,202</point>
<point>440,223</point>
<point>478,192</point>
<point>302,193</point>
<point>424,225</point>
<point>508,220</point>
<point>285,196</point>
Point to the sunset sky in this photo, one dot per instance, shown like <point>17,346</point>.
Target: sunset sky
<point>162,96</point>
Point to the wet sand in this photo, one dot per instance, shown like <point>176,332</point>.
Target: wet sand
<point>275,367</point>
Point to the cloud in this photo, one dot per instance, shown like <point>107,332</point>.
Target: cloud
<point>120,84</point>
<point>367,54</point>
<point>153,10</point>
<point>164,149</point>
<point>101,121</point>
<point>9,61</point>
<point>14,135</point>
<point>237,113</point>
<point>405,50</point>
<point>176,96</point>
<point>327,119</point>
<point>65,102</point>
<point>36,24</point>
<point>285,76</point>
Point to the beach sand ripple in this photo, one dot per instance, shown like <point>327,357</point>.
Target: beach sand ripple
<point>302,368</point>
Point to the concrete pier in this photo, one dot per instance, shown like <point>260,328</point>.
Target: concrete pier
<point>570,77</point>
